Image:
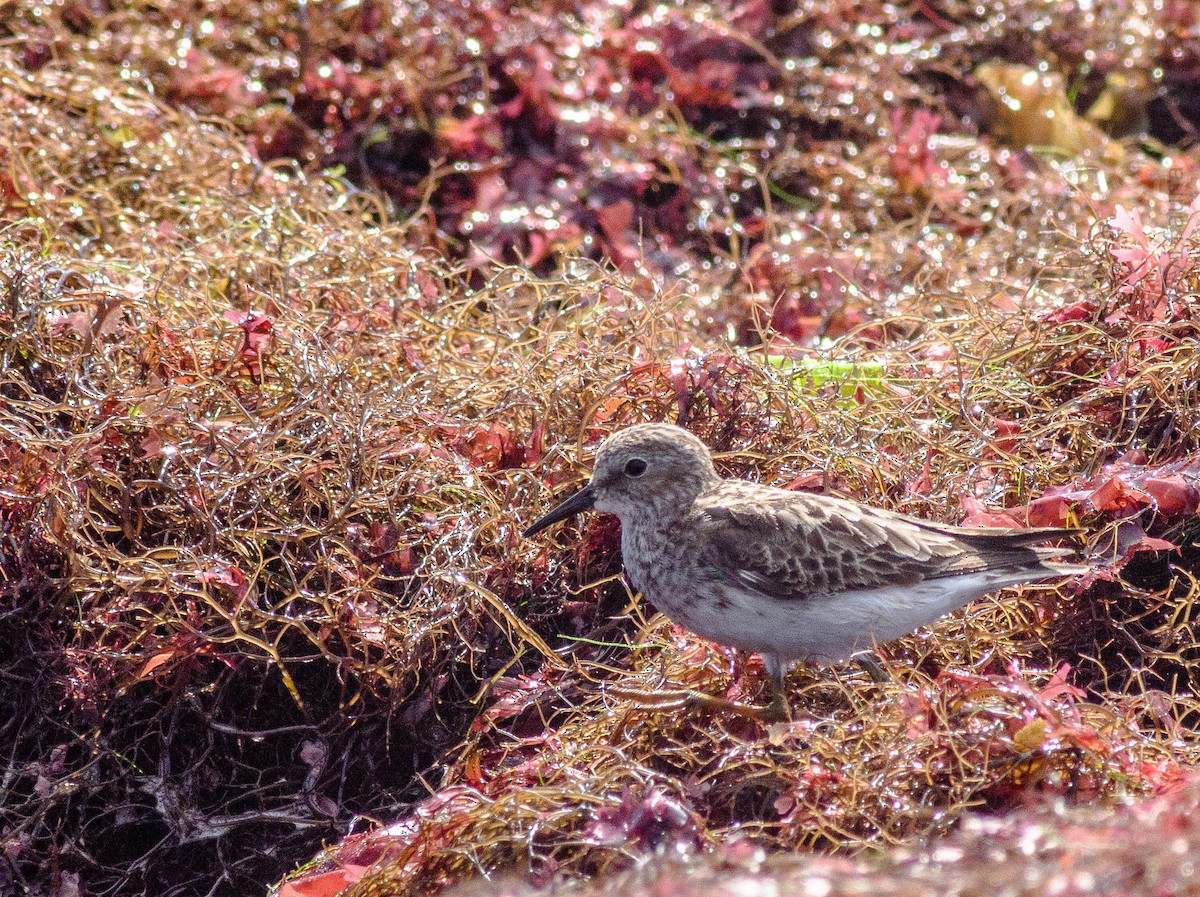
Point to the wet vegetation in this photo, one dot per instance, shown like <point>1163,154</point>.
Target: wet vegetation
<point>307,309</point>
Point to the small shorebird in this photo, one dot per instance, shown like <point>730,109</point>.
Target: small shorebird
<point>791,575</point>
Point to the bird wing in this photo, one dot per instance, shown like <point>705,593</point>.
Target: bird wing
<point>799,545</point>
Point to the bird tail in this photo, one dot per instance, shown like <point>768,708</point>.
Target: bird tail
<point>1019,550</point>
<point>992,537</point>
<point>1049,560</point>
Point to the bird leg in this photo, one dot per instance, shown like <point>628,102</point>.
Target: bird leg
<point>869,661</point>
<point>775,711</point>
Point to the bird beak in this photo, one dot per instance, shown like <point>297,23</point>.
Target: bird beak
<point>583,500</point>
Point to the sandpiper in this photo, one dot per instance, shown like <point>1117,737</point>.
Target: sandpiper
<point>793,576</point>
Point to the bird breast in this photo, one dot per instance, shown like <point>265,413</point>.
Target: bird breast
<point>653,559</point>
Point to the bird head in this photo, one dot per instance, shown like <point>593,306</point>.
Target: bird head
<point>651,469</point>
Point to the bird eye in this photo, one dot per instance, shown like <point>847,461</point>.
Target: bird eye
<point>635,467</point>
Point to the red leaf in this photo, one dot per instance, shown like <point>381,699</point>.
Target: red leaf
<point>1116,495</point>
<point>978,515</point>
<point>256,338</point>
<point>323,884</point>
<point>1083,310</point>
<point>1150,543</point>
<point>1006,433</point>
<point>1053,510</point>
<point>154,663</point>
<point>533,452</point>
<point>151,446</point>
<point>1173,495</point>
<point>1058,685</point>
<point>615,221</point>
<point>923,484</point>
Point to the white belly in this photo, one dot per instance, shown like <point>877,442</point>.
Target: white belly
<point>826,628</point>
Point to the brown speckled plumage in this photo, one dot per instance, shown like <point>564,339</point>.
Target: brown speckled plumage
<point>789,574</point>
